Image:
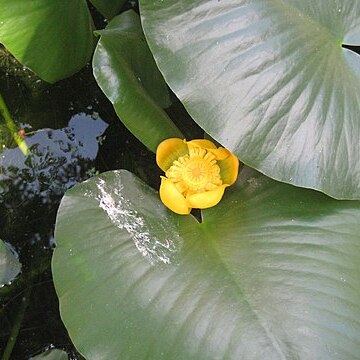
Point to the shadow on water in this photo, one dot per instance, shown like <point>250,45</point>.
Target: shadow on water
<point>72,133</point>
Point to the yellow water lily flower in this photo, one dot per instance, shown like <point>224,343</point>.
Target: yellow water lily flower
<point>196,173</point>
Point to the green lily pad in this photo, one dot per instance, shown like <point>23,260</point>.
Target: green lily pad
<point>272,272</point>
<point>53,38</point>
<point>109,8</point>
<point>126,72</point>
<point>9,264</point>
<point>270,81</point>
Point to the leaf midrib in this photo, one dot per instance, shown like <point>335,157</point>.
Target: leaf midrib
<point>319,27</point>
<point>213,247</point>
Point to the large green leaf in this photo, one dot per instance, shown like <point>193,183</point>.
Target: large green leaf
<point>9,264</point>
<point>109,8</point>
<point>53,38</point>
<point>270,81</point>
<point>126,72</point>
<point>271,273</point>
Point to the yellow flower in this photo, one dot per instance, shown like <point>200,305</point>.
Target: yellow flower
<point>197,173</point>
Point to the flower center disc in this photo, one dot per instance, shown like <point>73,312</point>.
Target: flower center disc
<point>196,172</point>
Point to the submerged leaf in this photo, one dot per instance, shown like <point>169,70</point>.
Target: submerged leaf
<point>9,264</point>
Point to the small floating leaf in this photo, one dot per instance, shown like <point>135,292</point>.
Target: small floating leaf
<point>9,264</point>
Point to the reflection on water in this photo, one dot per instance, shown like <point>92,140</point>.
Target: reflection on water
<point>58,160</point>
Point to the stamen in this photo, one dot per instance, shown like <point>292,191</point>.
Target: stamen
<point>196,172</point>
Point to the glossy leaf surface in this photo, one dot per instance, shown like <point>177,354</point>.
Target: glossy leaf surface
<point>53,38</point>
<point>53,354</point>
<point>126,72</point>
<point>9,264</point>
<point>270,81</point>
<point>109,8</point>
<point>271,273</point>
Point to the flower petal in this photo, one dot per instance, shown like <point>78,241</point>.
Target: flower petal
<point>229,168</point>
<point>206,199</point>
<point>172,198</point>
<point>170,150</point>
<point>220,153</point>
<point>203,143</point>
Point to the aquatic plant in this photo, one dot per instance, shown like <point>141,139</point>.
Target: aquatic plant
<point>271,271</point>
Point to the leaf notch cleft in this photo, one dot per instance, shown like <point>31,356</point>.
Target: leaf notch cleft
<point>353,48</point>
